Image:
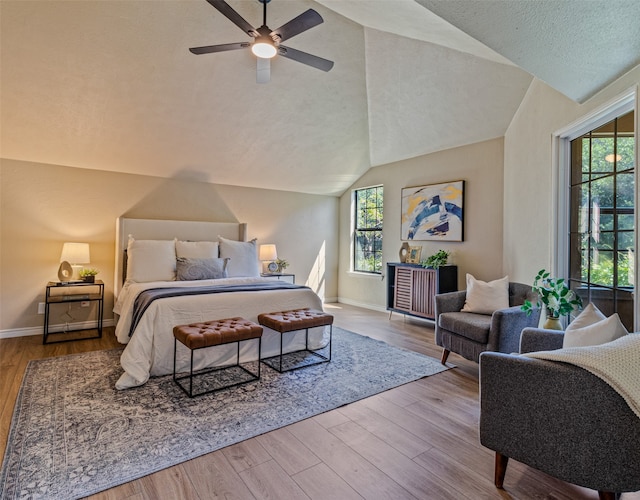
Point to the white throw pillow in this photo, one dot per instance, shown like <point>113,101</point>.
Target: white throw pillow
<point>485,298</point>
<point>151,260</point>
<point>603,331</point>
<point>588,316</point>
<point>242,255</point>
<point>197,249</point>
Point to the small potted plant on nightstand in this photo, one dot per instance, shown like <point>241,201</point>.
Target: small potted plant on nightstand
<point>88,275</point>
<point>282,265</point>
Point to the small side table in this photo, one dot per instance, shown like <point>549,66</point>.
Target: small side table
<point>289,278</point>
<point>69,292</point>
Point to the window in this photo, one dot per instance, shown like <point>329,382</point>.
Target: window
<point>367,235</point>
<point>602,217</point>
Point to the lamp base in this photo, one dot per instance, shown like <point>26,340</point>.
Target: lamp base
<point>65,271</point>
<point>76,271</point>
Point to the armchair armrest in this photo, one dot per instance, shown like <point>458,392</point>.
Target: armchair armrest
<point>539,339</point>
<point>450,302</point>
<point>560,419</point>
<point>506,327</point>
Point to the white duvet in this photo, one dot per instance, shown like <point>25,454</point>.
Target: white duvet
<point>149,350</point>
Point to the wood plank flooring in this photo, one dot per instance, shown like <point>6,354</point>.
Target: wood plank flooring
<point>418,441</point>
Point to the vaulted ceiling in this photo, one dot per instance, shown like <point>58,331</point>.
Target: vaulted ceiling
<point>111,85</point>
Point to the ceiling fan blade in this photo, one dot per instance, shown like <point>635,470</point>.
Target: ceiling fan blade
<point>219,48</point>
<point>226,10</point>
<point>297,25</point>
<point>263,70</point>
<point>304,58</point>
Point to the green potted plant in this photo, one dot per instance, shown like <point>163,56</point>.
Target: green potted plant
<point>89,274</point>
<point>436,260</point>
<point>556,296</point>
<point>282,265</point>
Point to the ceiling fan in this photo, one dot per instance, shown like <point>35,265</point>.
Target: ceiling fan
<point>267,42</point>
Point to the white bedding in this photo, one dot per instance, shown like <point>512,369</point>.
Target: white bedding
<point>149,350</point>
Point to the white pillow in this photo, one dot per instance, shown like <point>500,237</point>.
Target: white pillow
<point>197,249</point>
<point>485,298</point>
<point>242,255</point>
<point>151,260</point>
<point>588,316</point>
<point>603,331</point>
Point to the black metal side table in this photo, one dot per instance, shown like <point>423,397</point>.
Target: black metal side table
<point>70,292</point>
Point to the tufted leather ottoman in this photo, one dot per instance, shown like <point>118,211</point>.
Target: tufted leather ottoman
<point>293,321</point>
<point>215,333</point>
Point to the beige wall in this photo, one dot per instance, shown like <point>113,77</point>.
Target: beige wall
<point>481,167</point>
<point>43,206</point>
<point>508,214</point>
<point>529,241</point>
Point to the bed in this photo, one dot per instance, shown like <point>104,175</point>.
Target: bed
<point>154,291</point>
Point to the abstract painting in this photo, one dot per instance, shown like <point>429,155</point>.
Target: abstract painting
<point>433,212</point>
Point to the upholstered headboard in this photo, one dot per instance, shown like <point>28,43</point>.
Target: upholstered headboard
<point>156,229</point>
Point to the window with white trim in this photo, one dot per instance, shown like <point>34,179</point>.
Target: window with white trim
<point>602,217</point>
<point>367,234</point>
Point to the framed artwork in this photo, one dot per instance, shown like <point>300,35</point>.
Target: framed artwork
<point>433,212</point>
<point>413,257</point>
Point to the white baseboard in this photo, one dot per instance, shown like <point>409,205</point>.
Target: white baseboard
<point>38,330</point>
<point>374,307</point>
<point>364,305</point>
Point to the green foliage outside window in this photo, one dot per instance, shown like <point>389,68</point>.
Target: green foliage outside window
<point>602,271</point>
<point>604,190</point>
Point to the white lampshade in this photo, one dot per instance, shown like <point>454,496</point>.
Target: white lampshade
<point>75,253</point>
<point>268,252</point>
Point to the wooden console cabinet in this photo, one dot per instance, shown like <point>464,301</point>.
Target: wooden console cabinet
<point>411,288</point>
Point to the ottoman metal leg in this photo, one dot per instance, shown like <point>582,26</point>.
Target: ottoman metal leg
<point>191,376</point>
<point>271,362</point>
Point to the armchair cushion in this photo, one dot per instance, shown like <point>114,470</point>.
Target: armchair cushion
<point>469,325</point>
<point>486,297</point>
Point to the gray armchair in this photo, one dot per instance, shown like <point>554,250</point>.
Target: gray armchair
<point>557,418</point>
<point>469,334</point>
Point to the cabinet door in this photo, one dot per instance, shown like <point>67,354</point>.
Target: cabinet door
<point>402,298</point>
<point>424,288</point>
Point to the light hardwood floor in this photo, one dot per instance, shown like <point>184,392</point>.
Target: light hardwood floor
<point>418,441</point>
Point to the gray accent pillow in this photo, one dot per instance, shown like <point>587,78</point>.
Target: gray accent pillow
<point>201,269</point>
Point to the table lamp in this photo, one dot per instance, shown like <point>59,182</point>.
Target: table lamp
<point>269,254</point>
<point>72,258</point>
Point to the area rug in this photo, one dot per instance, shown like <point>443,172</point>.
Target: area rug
<point>73,434</point>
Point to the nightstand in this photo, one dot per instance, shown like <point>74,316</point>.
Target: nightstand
<point>67,293</point>
<point>289,278</point>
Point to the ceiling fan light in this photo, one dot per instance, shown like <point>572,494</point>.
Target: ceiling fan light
<point>264,50</point>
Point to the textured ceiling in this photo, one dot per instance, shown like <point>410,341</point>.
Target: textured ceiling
<point>576,46</point>
<point>110,85</point>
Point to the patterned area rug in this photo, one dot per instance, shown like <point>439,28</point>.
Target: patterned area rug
<point>73,434</point>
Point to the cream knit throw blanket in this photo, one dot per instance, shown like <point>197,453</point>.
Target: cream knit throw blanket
<point>617,363</point>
